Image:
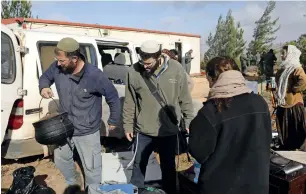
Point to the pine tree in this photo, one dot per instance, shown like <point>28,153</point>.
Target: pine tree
<point>16,8</point>
<point>301,44</point>
<point>234,42</point>
<point>228,39</point>
<point>215,41</point>
<point>264,32</point>
<point>240,44</point>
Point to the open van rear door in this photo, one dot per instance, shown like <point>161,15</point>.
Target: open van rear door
<point>111,43</point>
<point>11,75</point>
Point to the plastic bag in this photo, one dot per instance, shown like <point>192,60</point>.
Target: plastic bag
<point>23,182</point>
<point>43,190</point>
<point>111,189</point>
<point>151,190</point>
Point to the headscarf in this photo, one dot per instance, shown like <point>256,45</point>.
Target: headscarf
<point>230,83</point>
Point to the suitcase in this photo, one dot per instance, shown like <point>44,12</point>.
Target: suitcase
<point>290,183</point>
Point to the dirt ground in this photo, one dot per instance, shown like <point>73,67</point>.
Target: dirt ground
<point>46,172</point>
<point>200,89</point>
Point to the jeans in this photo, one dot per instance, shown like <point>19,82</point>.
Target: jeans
<point>89,149</point>
<point>166,148</point>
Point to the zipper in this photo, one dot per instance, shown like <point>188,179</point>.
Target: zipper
<point>71,96</point>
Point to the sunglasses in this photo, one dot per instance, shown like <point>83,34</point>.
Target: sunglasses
<point>141,62</point>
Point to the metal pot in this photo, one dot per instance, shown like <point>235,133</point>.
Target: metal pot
<point>53,129</point>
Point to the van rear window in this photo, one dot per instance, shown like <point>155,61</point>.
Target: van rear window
<point>109,54</point>
<point>46,54</point>
<point>7,60</point>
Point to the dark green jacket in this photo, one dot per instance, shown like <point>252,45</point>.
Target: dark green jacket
<point>142,113</point>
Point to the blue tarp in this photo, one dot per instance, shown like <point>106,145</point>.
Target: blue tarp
<point>111,188</point>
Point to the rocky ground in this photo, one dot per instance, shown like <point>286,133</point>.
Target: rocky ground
<point>46,172</point>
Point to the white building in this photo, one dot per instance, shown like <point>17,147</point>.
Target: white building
<point>170,40</point>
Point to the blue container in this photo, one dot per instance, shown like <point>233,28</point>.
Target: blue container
<point>99,189</point>
<point>127,188</point>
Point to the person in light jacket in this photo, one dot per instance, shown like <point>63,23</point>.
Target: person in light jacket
<point>147,121</point>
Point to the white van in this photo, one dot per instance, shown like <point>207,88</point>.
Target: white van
<point>25,55</point>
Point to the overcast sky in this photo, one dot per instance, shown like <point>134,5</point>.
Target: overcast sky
<point>199,17</point>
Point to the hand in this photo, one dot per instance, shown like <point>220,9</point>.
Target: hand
<point>111,127</point>
<point>46,93</point>
<point>129,136</point>
<point>187,129</point>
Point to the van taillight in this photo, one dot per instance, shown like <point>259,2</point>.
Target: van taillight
<point>16,117</point>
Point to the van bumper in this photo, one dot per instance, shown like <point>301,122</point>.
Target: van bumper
<point>21,148</point>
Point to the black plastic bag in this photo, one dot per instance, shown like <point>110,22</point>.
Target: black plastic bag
<point>23,182</point>
<point>43,190</point>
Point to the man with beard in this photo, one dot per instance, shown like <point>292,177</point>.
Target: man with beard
<point>80,87</point>
<point>147,121</point>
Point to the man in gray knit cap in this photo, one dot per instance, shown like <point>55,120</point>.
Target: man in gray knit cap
<point>147,121</point>
<point>80,87</point>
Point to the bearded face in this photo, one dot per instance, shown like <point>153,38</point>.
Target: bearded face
<point>150,65</point>
<point>66,64</point>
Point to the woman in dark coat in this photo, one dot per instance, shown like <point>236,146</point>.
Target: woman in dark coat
<point>230,136</point>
